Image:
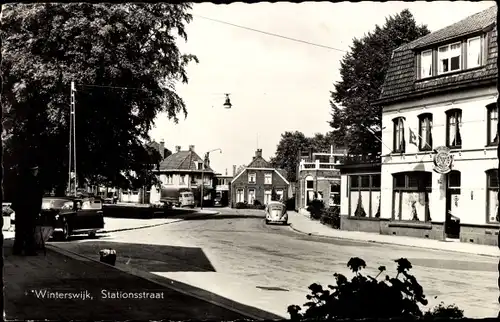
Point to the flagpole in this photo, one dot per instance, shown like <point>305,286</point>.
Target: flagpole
<point>421,138</point>
<point>373,133</point>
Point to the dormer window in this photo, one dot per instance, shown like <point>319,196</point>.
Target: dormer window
<point>426,64</point>
<point>449,58</point>
<point>200,165</point>
<point>474,52</point>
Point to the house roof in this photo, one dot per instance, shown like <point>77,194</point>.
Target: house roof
<point>277,171</point>
<point>182,160</point>
<point>259,162</point>
<point>155,145</point>
<point>401,76</point>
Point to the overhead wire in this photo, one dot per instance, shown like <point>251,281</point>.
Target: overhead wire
<point>270,33</point>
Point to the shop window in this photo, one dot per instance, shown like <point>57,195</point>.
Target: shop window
<point>411,196</point>
<point>364,196</point>
<point>492,196</point>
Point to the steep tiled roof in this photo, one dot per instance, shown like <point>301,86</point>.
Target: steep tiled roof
<point>259,162</point>
<point>182,160</point>
<point>400,80</point>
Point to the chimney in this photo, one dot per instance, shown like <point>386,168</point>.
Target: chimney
<point>191,148</point>
<point>161,147</point>
<point>234,170</point>
<point>258,153</point>
<point>177,148</point>
<point>226,171</point>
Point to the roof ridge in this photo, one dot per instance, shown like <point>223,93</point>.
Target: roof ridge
<point>415,42</point>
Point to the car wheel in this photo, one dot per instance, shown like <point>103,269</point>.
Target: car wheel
<point>267,222</point>
<point>92,234</point>
<point>66,232</point>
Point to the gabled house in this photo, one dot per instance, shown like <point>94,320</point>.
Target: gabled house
<point>257,181</point>
<point>183,170</point>
<point>439,167</point>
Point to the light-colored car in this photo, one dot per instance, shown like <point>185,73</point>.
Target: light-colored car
<point>276,213</point>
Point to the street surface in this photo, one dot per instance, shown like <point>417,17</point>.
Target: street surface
<point>270,267</point>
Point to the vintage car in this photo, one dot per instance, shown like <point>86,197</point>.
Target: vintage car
<point>276,213</point>
<point>73,215</point>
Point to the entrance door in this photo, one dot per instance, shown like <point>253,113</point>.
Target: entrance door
<point>452,223</point>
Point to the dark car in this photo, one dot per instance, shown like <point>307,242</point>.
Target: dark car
<point>72,215</point>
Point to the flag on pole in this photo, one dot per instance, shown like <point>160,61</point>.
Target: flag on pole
<point>375,135</point>
<point>413,137</point>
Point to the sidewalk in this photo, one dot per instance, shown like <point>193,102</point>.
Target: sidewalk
<point>304,224</point>
<point>32,285</point>
<point>114,224</point>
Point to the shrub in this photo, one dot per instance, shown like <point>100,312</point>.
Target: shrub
<point>257,203</point>
<point>442,311</point>
<point>240,205</point>
<point>367,297</point>
<point>331,217</point>
<point>316,208</point>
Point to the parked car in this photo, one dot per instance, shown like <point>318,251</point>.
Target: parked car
<point>72,215</point>
<point>276,213</point>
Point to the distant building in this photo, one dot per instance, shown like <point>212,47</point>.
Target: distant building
<point>223,187</point>
<point>257,181</point>
<point>318,177</point>
<point>183,170</point>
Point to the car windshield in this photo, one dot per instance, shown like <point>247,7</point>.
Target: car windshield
<point>187,195</point>
<point>54,203</point>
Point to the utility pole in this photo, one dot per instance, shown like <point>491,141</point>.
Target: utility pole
<point>72,178</point>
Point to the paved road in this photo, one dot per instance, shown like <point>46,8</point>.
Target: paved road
<point>270,267</point>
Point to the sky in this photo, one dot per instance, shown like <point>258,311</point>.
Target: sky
<point>275,84</point>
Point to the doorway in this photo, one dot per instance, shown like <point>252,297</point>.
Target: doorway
<point>452,222</point>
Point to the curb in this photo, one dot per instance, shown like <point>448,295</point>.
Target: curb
<point>155,225</point>
<point>175,286</point>
<point>389,243</point>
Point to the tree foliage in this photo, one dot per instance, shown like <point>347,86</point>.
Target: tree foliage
<point>365,297</point>
<point>363,70</point>
<point>125,64</point>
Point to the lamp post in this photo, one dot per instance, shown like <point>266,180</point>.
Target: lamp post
<point>205,164</point>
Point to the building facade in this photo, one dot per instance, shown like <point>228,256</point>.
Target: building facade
<point>318,177</point>
<point>181,171</point>
<point>360,198</point>
<point>439,167</point>
<point>223,188</point>
<point>257,182</point>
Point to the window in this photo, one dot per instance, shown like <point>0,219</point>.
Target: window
<point>449,58</point>
<point>251,196</point>
<point>492,126</point>
<point>268,178</point>
<point>200,165</point>
<point>364,195</point>
<point>310,184</point>
<point>334,195</point>
<point>182,179</point>
<point>453,129</point>
<point>474,52</point>
<point>168,179</point>
<point>454,180</point>
<point>267,196</point>
<point>426,64</point>
<point>239,196</point>
<point>411,196</point>
<point>425,132</point>
<point>492,196</point>
<point>399,135</point>
<point>252,178</point>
